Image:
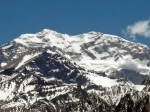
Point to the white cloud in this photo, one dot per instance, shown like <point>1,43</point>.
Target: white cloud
<point>140,28</point>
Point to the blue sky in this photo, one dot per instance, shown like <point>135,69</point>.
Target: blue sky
<point>129,19</point>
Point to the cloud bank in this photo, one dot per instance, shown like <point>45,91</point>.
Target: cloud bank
<point>140,28</point>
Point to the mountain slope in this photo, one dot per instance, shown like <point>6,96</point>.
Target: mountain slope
<point>50,82</point>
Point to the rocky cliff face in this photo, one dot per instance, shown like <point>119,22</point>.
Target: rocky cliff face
<point>49,72</point>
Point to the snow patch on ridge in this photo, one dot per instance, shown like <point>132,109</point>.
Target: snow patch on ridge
<point>26,58</point>
<point>100,80</point>
<point>5,92</point>
<point>51,52</point>
<point>3,64</point>
<point>139,87</point>
<point>3,95</point>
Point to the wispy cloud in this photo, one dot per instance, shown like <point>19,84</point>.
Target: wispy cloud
<point>140,28</point>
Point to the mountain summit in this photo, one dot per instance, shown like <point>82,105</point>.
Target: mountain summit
<point>50,71</point>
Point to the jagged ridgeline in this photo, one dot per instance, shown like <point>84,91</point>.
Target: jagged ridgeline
<point>53,72</point>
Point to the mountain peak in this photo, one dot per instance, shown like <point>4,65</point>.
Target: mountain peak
<point>93,32</point>
<point>49,31</point>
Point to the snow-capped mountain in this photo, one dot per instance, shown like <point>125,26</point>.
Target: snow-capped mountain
<point>93,50</point>
<point>50,71</point>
